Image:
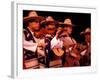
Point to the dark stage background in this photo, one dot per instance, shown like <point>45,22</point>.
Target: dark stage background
<point>82,20</point>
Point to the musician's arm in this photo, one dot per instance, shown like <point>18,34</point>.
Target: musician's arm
<point>56,43</point>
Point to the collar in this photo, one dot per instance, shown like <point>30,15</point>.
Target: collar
<point>31,31</point>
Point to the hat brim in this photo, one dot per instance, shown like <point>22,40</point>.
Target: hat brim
<point>33,19</point>
<point>85,33</point>
<point>49,23</point>
<point>67,25</point>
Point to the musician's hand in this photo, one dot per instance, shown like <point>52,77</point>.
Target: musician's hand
<point>58,33</point>
<point>75,56</point>
<point>40,51</point>
<point>39,44</point>
<point>67,42</point>
<point>42,43</point>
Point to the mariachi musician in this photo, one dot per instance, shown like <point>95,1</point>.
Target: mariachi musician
<point>85,48</point>
<point>50,29</point>
<point>71,53</point>
<point>31,40</point>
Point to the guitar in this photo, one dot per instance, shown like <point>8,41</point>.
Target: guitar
<point>58,51</point>
<point>75,53</point>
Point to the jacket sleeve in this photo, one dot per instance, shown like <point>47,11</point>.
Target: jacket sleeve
<point>29,45</point>
<point>57,43</point>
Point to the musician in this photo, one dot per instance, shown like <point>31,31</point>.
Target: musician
<point>57,44</point>
<point>31,40</point>
<point>50,29</point>
<point>69,43</point>
<point>86,48</point>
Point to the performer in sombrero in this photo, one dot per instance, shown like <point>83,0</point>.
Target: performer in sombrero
<point>31,40</point>
<point>50,29</point>
<point>71,54</point>
<point>85,48</point>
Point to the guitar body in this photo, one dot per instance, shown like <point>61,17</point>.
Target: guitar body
<point>72,59</point>
<point>58,51</point>
<point>75,54</point>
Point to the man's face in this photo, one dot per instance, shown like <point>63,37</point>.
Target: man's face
<point>50,28</point>
<point>68,29</point>
<point>35,26</point>
<point>88,38</point>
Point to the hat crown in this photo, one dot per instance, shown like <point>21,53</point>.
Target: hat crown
<point>68,21</point>
<point>49,18</point>
<point>87,30</point>
<point>33,14</point>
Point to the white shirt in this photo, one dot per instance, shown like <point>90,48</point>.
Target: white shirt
<point>56,43</point>
<point>29,45</point>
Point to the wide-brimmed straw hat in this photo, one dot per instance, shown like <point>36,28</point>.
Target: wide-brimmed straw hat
<point>87,31</point>
<point>33,16</point>
<point>67,22</point>
<point>49,20</point>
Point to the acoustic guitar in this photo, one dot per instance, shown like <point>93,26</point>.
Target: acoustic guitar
<point>58,51</point>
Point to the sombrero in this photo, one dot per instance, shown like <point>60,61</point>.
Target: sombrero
<point>67,23</point>
<point>33,16</point>
<point>49,20</point>
<point>87,31</point>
